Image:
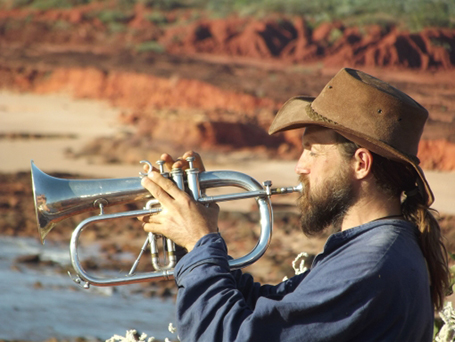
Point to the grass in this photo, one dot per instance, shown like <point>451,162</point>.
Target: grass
<point>150,46</point>
<point>409,14</point>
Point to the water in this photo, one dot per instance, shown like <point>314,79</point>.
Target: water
<point>37,303</point>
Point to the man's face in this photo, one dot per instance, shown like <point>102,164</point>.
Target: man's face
<point>326,177</point>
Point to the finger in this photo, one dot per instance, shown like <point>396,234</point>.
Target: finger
<point>197,163</point>
<point>180,164</point>
<point>152,220</point>
<point>159,187</point>
<point>168,161</point>
<point>143,219</point>
<point>164,190</point>
<point>152,227</point>
<point>147,218</point>
<point>147,168</point>
<point>214,206</point>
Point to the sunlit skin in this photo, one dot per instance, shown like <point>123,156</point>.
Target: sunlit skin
<point>182,219</point>
<point>326,177</point>
<point>321,159</point>
<point>185,221</point>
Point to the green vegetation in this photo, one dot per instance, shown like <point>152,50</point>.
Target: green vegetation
<point>42,4</point>
<point>410,14</point>
<point>150,46</point>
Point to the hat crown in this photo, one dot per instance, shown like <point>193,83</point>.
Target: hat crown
<point>363,103</point>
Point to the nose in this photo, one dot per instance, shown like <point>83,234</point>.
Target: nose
<point>302,166</point>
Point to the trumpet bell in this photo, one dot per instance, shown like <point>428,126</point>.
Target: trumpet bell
<point>57,199</point>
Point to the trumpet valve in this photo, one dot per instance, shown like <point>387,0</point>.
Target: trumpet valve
<point>190,161</point>
<point>177,177</point>
<point>267,185</point>
<point>160,164</point>
<point>193,179</point>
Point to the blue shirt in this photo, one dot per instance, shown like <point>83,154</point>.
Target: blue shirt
<point>370,283</point>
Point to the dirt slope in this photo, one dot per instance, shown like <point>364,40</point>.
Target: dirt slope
<point>218,83</point>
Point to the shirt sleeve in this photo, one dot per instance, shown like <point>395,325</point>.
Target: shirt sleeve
<point>352,301</point>
<point>220,300</point>
<point>215,304</point>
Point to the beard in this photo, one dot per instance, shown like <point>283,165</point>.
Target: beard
<point>325,207</point>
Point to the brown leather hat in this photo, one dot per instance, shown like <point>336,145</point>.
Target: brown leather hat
<point>367,111</point>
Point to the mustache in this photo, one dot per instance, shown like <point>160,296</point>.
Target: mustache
<point>303,180</point>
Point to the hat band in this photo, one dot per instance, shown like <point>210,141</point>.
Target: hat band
<point>315,116</point>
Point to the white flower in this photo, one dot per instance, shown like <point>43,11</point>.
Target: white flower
<point>171,328</point>
<point>115,338</point>
<point>130,337</point>
<point>301,268</point>
<point>447,332</point>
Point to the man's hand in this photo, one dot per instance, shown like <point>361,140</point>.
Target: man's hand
<point>183,220</point>
<point>181,161</point>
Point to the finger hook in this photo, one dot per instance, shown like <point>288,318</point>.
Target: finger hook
<point>145,174</point>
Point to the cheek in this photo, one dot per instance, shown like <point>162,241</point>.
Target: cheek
<point>320,170</point>
<point>327,168</point>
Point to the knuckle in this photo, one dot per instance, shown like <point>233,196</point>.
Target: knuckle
<point>168,185</point>
<point>186,200</point>
<point>158,193</point>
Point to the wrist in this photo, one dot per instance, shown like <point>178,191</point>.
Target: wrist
<point>190,246</point>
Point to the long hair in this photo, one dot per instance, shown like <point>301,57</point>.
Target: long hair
<point>399,180</point>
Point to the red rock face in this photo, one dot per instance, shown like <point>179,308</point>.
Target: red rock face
<point>232,108</point>
<point>336,45</point>
<point>288,39</point>
<point>437,155</point>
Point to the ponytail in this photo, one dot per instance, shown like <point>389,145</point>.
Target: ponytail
<point>431,244</point>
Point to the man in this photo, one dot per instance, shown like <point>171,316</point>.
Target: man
<point>382,271</point>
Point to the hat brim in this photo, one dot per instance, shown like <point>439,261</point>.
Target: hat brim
<point>294,114</point>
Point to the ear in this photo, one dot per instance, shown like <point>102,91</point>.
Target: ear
<point>362,162</point>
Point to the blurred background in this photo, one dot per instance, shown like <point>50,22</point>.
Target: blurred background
<point>90,88</point>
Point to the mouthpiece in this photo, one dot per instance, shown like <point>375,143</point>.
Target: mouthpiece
<point>298,188</point>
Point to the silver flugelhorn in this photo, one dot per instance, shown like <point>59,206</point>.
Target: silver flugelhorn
<point>57,199</point>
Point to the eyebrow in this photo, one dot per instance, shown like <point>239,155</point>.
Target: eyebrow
<point>307,140</point>
<point>306,144</point>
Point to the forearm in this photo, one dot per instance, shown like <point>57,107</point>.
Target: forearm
<point>215,304</point>
<point>252,290</point>
<point>207,293</point>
